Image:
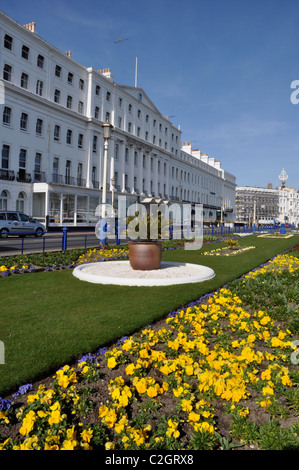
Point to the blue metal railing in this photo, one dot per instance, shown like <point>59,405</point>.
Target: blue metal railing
<point>69,239</point>
<point>51,241</point>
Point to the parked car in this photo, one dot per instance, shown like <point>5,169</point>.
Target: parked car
<point>17,223</point>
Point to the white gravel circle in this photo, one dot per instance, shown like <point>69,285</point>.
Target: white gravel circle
<point>120,273</point>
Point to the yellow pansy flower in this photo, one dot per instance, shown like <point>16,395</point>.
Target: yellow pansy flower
<point>130,369</point>
<point>28,423</point>
<point>87,434</point>
<point>69,444</point>
<point>172,430</point>
<point>268,391</point>
<point>55,417</point>
<point>111,363</point>
<point>186,405</point>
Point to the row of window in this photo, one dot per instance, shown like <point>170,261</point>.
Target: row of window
<point>5,157</point>
<point>175,173</point>
<point>148,187</point>
<point>69,104</point>
<point>7,75</point>
<point>20,202</point>
<point>67,178</point>
<point>39,89</point>
<point>39,128</point>
<point>58,72</point>
<point>24,123</point>
<point>40,61</point>
<point>37,166</point>
<point>56,177</point>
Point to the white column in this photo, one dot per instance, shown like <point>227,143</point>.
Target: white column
<point>155,175</point>
<point>131,167</point>
<point>167,179</point>
<point>89,96</point>
<point>140,169</point>
<point>89,137</point>
<point>101,161</point>
<point>75,210</point>
<point>121,181</point>
<point>61,207</point>
<point>47,201</point>
<point>112,164</point>
<point>148,172</point>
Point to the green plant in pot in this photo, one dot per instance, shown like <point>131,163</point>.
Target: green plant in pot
<point>145,246</point>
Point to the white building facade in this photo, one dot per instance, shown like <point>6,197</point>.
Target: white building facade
<point>289,205</point>
<point>267,206</point>
<point>51,137</point>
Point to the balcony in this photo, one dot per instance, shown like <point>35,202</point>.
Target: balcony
<point>95,184</point>
<point>68,180</point>
<point>58,179</point>
<point>80,181</point>
<point>39,177</point>
<point>8,175</point>
<point>24,177</point>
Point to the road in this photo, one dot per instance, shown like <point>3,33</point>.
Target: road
<point>51,241</point>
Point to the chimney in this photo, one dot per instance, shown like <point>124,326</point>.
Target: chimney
<point>270,186</point>
<point>187,147</point>
<point>106,73</point>
<point>69,54</point>
<point>30,26</point>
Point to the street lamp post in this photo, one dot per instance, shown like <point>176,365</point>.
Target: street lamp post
<point>107,129</point>
<point>222,212</point>
<point>283,178</point>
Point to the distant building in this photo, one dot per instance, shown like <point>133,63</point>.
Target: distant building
<point>217,187</point>
<point>289,205</point>
<point>267,205</point>
<point>51,139</point>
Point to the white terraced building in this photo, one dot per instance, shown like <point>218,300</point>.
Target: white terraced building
<point>266,206</point>
<point>51,137</point>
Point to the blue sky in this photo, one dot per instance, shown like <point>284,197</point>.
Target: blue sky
<point>222,69</point>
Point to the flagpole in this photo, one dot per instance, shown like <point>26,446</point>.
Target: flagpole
<point>136,74</point>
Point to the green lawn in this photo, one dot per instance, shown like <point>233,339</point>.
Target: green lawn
<point>49,318</point>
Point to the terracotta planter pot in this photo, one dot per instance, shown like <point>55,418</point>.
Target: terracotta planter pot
<point>145,256</point>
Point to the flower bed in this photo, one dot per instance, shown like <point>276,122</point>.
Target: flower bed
<point>54,261</point>
<point>60,260</point>
<point>228,251</point>
<point>277,235</point>
<point>103,254</point>
<point>212,371</point>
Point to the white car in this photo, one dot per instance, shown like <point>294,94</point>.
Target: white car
<point>17,223</point>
